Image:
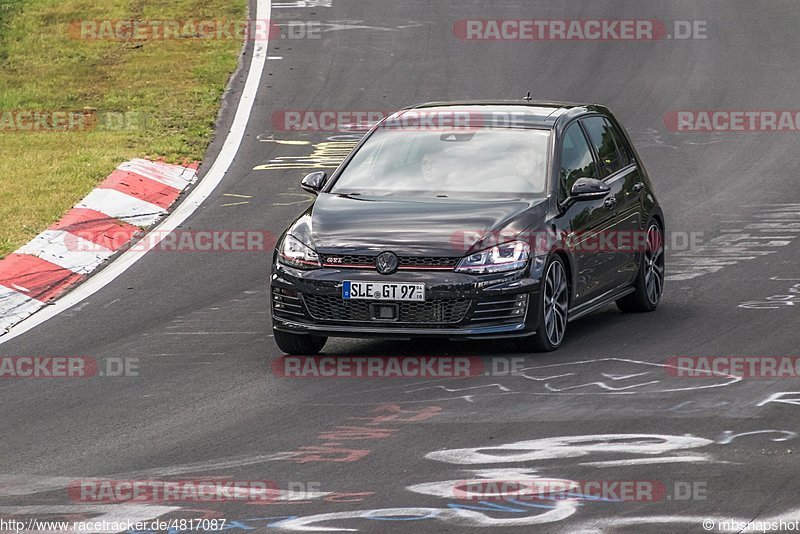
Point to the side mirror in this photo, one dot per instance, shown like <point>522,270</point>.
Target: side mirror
<point>314,182</point>
<point>586,189</point>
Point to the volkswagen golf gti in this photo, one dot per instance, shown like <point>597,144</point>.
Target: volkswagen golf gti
<point>469,220</point>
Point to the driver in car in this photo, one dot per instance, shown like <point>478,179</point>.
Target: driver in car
<point>527,170</point>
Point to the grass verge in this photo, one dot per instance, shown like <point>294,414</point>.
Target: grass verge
<point>135,97</point>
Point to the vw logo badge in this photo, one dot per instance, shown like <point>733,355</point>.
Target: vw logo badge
<point>387,263</point>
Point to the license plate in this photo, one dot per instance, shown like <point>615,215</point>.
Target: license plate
<point>383,291</point>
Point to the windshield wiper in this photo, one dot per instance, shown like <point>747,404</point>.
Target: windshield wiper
<point>354,196</point>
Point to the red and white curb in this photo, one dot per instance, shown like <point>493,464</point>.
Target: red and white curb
<point>134,197</point>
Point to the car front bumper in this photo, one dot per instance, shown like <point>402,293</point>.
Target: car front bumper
<point>457,306</point>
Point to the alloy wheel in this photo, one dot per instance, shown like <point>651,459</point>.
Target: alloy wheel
<point>555,303</point>
<point>654,264</point>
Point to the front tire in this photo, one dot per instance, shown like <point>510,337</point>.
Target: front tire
<point>649,284</point>
<point>553,306</point>
<point>299,344</point>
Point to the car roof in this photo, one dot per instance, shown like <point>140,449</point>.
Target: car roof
<point>527,114</point>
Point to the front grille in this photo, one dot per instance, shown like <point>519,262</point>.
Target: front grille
<point>500,310</point>
<point>349,260</point>
<point>428,261</point>
<point>406,262</point>
<point>425,314</point>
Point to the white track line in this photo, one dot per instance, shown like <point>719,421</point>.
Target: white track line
<point>206,186</point>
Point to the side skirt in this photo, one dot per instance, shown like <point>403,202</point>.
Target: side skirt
<point>598,302</point>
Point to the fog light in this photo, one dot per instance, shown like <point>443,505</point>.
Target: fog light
<point>520,304</point>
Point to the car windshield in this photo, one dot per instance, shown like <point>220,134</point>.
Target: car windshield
<point>485,163</point>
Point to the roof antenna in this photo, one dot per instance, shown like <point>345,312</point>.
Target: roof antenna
<point>527,97</point>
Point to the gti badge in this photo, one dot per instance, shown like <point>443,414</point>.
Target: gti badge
<point>387,263</point>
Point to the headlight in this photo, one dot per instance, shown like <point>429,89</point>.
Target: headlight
<point>499,259</point>
<point>295,253</point>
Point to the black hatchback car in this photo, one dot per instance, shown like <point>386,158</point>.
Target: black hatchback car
<point>472,220</point>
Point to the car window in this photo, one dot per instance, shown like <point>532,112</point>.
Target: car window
<point>602,136</point>
<point>576,159</point>
<point>622,147</point>
<point>478,163</point>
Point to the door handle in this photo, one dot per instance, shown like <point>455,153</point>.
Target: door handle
<point>638,186</point>
<point>610,203</point>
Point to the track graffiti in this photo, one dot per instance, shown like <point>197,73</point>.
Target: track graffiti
<point>770,227</point>
<point>601,376</point>
<point>512,511</point>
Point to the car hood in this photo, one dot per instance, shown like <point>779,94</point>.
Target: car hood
<point>411,226</point>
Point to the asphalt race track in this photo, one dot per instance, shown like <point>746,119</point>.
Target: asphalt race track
<point>606,407</point>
